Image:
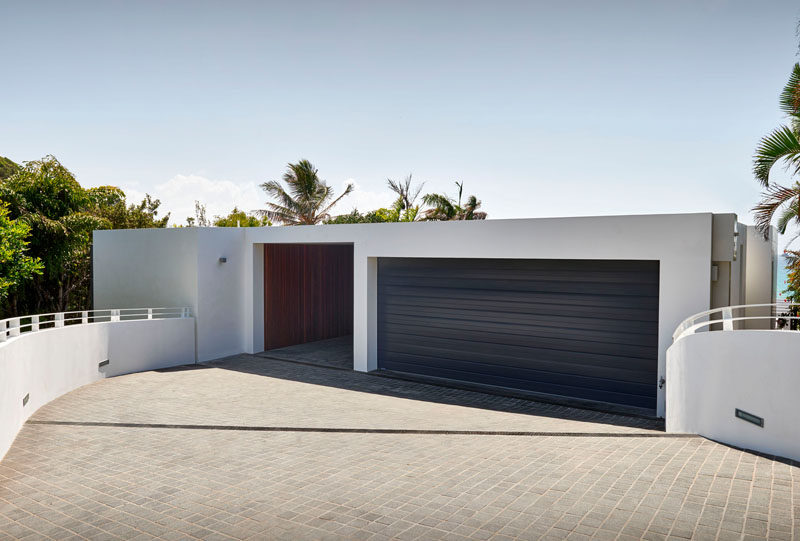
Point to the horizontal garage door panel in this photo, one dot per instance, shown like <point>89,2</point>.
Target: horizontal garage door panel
<point>398,304</point>
<point>593,393</point>
<point>535,377</point>
<point>561,344</point>
<point>538,318</point>
<point>624,368</point>
<point>566,299</point>
<point>585,329</point>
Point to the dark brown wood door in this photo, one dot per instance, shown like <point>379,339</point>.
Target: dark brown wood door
<point>308,293</point>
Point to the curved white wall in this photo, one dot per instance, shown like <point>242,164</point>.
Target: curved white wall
<point>710,374</point>
<point>49,363</point>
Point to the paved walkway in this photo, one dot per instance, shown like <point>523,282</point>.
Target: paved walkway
<point>248,447</point>
<point>333,352</point>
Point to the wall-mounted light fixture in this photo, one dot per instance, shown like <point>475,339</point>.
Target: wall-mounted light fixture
<point>223,259</point>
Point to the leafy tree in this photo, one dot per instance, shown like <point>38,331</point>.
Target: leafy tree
<point>380,215</point>
<point>405,204</point>
<point>7,168</point>
<point>145,215</point>
<point>109,203</point>
<point>782,146</point>
<point>307,200</point>
<point>239,218</point>
<point>16,266</point>
<point>44,195</point>
<point>792,290</point>
<point>444,207</point>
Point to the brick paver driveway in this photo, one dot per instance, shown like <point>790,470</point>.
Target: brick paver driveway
<point>254,448</point>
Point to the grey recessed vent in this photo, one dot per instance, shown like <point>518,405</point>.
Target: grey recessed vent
<point>101,364</point>
<point>750,418</point>
<point>25,399</point>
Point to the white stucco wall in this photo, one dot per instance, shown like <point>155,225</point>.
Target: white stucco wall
<point>171,267</point>
<point>681,243</point>
<point>49,363</point>
<point>710,374</point>
<point>145,267</point>
<point>220,311</point>
<point>760,275</point>
<point>230,314</point>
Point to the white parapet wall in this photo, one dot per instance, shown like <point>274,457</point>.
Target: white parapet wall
<point>46,364</point>
<point>712,374</point>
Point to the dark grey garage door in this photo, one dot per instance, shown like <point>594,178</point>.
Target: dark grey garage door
<point>584,329</point>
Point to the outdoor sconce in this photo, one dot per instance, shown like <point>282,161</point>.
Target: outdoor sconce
<point>223,259</point>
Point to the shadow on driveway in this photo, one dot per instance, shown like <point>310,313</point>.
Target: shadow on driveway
<point>304,369</point>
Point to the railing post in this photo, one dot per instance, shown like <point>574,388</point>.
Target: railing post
<point>149,313</point>
<point>727,319</point>
<point>84,317</point>
<point>13,329</point>
<point>115,315</point>
<point>59,320</point>
<point>34,323</point>
<point>3,325</point>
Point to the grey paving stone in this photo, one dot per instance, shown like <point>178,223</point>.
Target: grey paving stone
<point>584,476</point>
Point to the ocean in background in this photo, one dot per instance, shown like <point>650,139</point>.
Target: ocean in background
<point>782,277</point>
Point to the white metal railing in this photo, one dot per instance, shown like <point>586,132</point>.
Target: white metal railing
<point>16,326</point>
<point>780,318</point>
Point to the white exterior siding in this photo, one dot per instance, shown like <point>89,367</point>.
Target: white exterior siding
<point>181,267</point>
<point>711,374</point>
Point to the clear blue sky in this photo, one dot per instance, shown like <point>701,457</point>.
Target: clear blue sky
<point>541,108</point>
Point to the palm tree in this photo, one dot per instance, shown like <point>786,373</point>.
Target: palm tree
<point>780,146</point>
<point>405,204</point>
<point>444,207</point>
<point>307,199</point>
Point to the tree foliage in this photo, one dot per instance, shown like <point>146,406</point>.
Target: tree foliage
<point>405,208</point>
<point>306,200</point>
<point>45,195</point>
<point>7,168</point>
<point>240,218</point>
<point>60,216</point>
<point>406,203</point>
<point>780,147</point>
<point>444,207</point>
<point>109,202</point>
<point>377,216</point>
<point>16,266</point>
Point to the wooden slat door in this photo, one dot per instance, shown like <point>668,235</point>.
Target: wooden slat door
<point>308,293</point>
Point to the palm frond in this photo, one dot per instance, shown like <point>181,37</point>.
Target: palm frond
<point>437,200</point>
<point>790,97</point>
<point>406,197</point>
<point>325,213</point>
<point>304,200</point>
<point>788,214</point>
<point>780,145</point>
<point>442,207</point>
<point>771,201</point>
